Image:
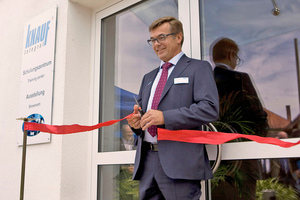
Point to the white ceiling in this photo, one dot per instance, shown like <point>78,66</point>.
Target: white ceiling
<point>95,3</point>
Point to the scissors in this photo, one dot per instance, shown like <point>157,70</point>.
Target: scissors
<point>139,109</point>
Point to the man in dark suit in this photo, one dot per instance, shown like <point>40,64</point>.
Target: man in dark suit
<point>238,97</point>
<point>189,99</point>
<point>241,109</point>
<point>127,139</point>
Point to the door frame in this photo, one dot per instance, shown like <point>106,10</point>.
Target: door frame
<point>189,15</point>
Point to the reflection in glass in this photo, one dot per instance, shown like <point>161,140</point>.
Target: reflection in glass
<point>266,45</point>
<point>240,106</point>
<point>236,180</point>
<point>282,176</point>
<point>116,183</point>
<point>127,139</point>
<point>125,58</point>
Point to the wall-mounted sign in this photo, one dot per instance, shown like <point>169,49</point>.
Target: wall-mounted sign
<point>37,71</point>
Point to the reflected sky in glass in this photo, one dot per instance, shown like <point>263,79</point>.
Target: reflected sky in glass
<point>266,43</point>
<point>135,57</point>
<point>272,64</point>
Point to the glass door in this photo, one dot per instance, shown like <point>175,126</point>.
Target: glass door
<point>125,56</point>
<point>265,32</point>
<point>122,57</point>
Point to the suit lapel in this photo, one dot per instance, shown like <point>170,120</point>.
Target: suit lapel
<point>180,66</point>
<point>147,88</point>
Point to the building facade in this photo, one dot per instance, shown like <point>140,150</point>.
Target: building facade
<point>101,55</point>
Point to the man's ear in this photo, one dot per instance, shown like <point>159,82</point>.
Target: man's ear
<point>179,38</point>
<point>230,55</point>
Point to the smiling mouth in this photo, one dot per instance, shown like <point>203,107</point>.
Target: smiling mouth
<point>159,51</point>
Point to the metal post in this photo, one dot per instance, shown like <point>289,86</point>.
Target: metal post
<point>288,113</point>
<point>297,65</point>
<point>23,163</point>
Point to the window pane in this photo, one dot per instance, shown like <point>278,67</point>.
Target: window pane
<point>116,183</point>
<point>266,44</point>
<point>257,179</point>
<point>125,58</point>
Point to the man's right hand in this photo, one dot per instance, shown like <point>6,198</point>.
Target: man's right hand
<point>135,120</point>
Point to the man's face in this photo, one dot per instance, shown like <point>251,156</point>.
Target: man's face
<point>127,133</point>
<point>170,47</point>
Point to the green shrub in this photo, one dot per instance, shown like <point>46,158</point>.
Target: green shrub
<point>281,191</point>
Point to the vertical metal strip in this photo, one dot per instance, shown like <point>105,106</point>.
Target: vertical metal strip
<point>184,17</point>
<point>297,65</point>
<point>23,163</point>
<point>195,29</point>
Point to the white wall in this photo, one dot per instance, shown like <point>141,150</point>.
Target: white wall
<point>59,169</point>
<point>76,147</point>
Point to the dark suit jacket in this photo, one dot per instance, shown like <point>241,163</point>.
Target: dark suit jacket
<point>245,99</point>
<point>185,106</point>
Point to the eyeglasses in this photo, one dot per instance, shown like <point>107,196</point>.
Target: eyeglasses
<point>239,61</point>
<point>159,39</point>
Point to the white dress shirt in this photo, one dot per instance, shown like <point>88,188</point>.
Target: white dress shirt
<point>174,60</point>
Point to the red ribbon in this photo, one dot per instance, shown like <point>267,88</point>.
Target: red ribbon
<point>190,136</point>
<point>208,137</point>
<point>67,129</point>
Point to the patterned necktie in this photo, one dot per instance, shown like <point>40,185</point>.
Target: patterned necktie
<point>159,89</point>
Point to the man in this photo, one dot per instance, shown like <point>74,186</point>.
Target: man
<point>283,168</point>
<point>238,98</point>
<point>126,170</point>
<point>241,109</point>
<point>127,139</point>
<point>168,169</point>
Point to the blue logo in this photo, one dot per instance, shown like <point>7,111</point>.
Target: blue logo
<point>37,35</point>
<point>37,119</point>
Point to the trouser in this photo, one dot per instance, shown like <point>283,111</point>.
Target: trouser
<point>156,185</point>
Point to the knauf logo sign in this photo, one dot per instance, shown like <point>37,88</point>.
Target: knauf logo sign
<point>36,37</point>
<point>37,118</point>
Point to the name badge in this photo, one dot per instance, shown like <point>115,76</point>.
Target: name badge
<point>181,80</point>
